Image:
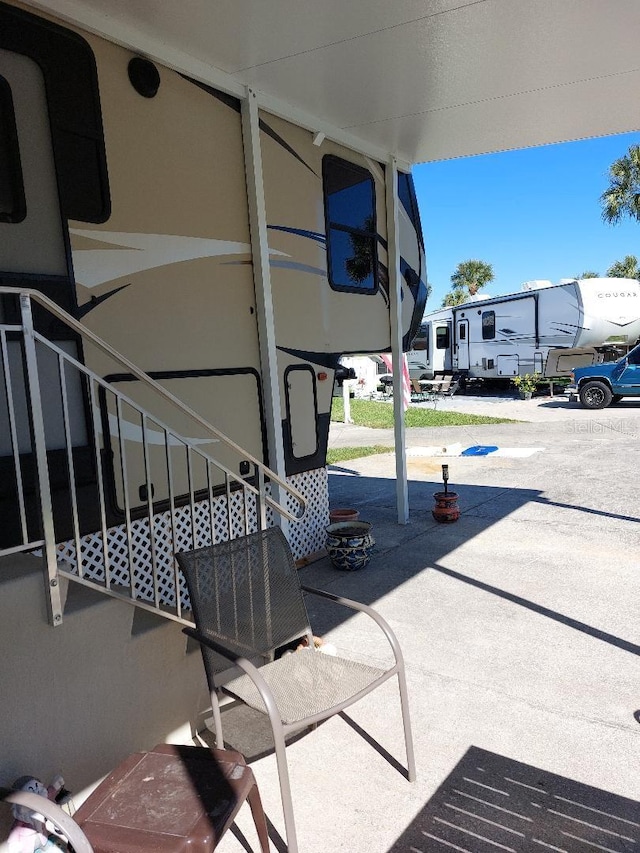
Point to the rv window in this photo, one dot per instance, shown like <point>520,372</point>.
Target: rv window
<point>462,331</point>
<point>12,203</point>
<point>488,325</point>
<point>442,337</point>
<point>68,66</point>
<point>350,213</point>
<point>421,340</point>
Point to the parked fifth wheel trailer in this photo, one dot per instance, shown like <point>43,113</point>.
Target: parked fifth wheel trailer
<point>125,200</point>
<point>544,329</point>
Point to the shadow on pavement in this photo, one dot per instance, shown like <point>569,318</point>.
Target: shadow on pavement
<point>547,502</point>
<point>490,802</point>
<point>543,611</point>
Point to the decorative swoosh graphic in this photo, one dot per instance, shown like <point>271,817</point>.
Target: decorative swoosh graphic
<point>301,232</point>
<point>133,432</point>
<point>329,360</point>
<point>234,103</point>
<point>285,265</point>
<point>292,265</point>
<point>98,300</point>
<point>93,267</point>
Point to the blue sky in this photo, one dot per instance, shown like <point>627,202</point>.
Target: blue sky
<point>532,214</point>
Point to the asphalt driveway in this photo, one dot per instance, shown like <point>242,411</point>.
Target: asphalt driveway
<point>520,629</point>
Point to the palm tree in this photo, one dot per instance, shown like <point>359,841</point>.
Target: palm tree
<point>626,268</point>
<point>360,266</point>
<point>622,197</point>
<point>468,278</point>
<point>455,297</point>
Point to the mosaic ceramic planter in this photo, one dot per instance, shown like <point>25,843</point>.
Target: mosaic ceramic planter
<point>349,544</point>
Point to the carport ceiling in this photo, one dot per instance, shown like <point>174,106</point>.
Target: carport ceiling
<point>423,79</point>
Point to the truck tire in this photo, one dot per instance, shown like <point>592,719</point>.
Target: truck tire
<point>595,395</point>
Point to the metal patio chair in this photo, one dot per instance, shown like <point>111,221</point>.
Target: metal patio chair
<point>49,810</point>
<point>450,385</point>
<point>247,601</point>
<point>441,386</point>
<point>418,394</point>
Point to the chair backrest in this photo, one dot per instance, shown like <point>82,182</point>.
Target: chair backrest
<point>448,384</point>
<point>245,594</point>
<point>453,386</point>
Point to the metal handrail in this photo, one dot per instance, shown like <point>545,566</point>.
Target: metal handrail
<point>82,330</point>
<point>122,561</point>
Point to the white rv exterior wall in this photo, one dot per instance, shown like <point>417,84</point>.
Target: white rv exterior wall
<point>528,324</point>
<point>611,308</point>
<point>424,363</point>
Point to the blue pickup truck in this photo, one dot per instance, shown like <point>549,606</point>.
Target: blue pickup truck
<point>600,384</point>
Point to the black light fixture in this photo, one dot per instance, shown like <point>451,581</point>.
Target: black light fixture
<point>144,76</point>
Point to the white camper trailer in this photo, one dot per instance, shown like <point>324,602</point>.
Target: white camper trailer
<point>127,204</point>
<point>544,329</point>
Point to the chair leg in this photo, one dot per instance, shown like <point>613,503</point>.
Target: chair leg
<point>217,719</point>
<point>285,787</point>
<point>406,720</point>
<point>259,819</point>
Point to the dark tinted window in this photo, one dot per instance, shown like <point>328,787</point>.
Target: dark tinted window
<point>488,325</point>
<point>350,211</point>
<point>442,337</point>
<point>421,340</point>
<point>634,356</point>
<point>462,331</point>
<point>12,202</point>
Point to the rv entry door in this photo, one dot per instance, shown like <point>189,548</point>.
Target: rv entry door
<point>33,254</point>
<point>462,344</point>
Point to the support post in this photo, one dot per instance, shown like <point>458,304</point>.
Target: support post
<point>395,320</point>
<point>346,400</point>
<point>262,285</point>
<point>50,565</point>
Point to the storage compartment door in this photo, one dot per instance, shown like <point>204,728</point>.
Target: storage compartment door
<point>560,362</point>
<point>302,411</point>
<point>507,365</point>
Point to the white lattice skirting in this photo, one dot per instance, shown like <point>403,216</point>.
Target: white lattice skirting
<point>193,527</point>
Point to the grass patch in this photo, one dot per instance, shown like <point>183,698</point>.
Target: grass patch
<point>341,454</point>
<point>370,413</point>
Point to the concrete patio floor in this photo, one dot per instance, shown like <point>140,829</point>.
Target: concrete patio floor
<point>520,630</point>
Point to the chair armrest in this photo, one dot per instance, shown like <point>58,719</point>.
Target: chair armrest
<point>223,651</point>
<point>363,608</point>
<point>52,812</point>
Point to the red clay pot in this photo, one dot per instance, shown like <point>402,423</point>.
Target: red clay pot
<point>446,510</point>
<point>344,514</point>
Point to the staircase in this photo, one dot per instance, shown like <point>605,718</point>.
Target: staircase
<point>98,484</point>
